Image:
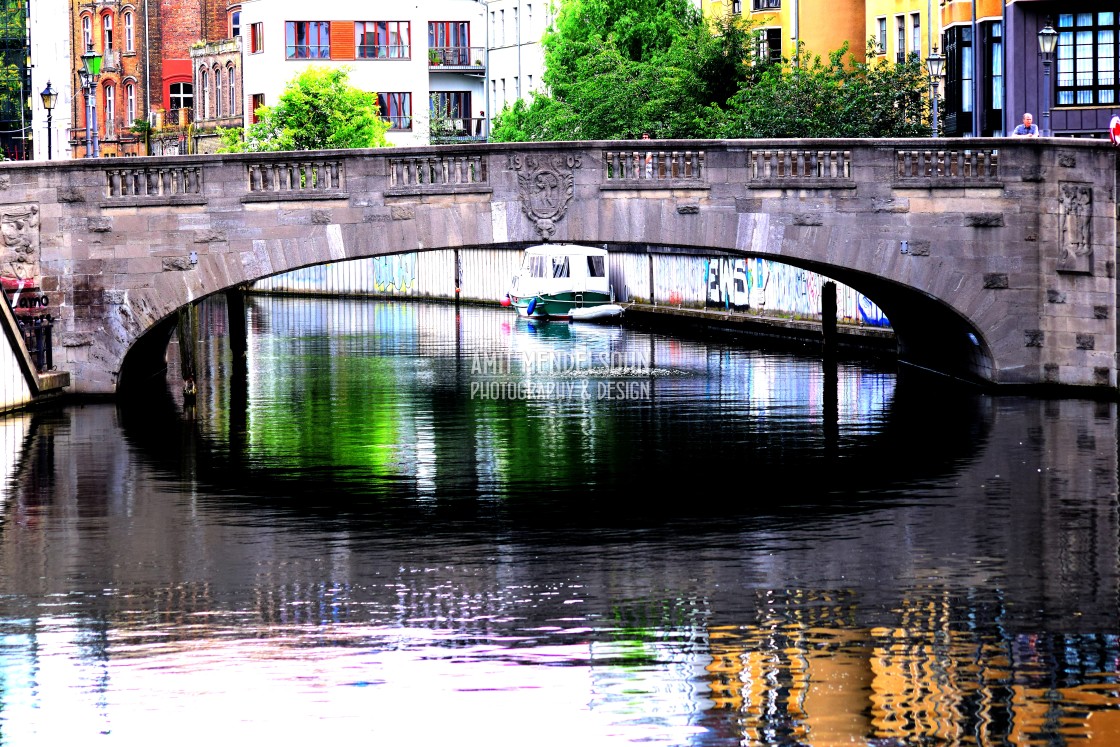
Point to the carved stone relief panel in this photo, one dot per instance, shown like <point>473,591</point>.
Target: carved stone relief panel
<point>1075,228</point>
<point>19,230</point>
<point>545,186</point>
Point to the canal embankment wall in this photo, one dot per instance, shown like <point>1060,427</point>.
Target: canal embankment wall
<point>702,292</point>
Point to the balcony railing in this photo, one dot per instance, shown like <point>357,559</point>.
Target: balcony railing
<point>460,58</point>
<point>459,130</point>
<point>384,51</point>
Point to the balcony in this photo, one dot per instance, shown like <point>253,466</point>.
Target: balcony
<point>456,59</point>
<point>459,130</point>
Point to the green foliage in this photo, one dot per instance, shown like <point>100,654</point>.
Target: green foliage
<point>319,109</point>
<point>832,99</point>
<point>618,68</point>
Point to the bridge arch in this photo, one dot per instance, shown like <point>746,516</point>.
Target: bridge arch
<point>993,256</point>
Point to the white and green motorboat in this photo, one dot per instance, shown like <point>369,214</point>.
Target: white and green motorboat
<point>564,282</point>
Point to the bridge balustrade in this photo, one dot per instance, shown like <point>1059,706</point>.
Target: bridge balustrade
<point>655,165</point>
<point>765,165</point>
<point>441,170</point>
<point>154,182</point>
<point>972,163</point>
<point>297,175</point>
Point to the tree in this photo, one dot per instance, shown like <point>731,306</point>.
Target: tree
<point>318,109</point>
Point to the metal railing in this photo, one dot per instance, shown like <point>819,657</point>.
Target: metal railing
<point>37,338</point>
<point>459,129</point>
<point>470,57</point>
<point>384,51</point>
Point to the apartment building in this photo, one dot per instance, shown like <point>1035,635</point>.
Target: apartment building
<point>418,58</point>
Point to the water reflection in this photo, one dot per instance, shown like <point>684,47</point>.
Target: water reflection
<point>338,541</point>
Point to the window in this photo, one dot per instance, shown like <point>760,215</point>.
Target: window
<point>182,95</point>
<point>217,91</point>
<point>966,71</point>
<point>766,4</point>
<point>308,40</point>
<point>736,7</point>
<point>536,266</point>
<point>87,31</point>
<point>110,112</point>
<point>596,266</point>
<point>129,35</point>
<point>451,41</point>
<point>501,27</point>
<point>900,39</point>
<point>204,81</point>
<point>454,103</point>
<point>560,266</point>
<point>256,38</point>
<point>396,109</point>
<point>258,102</point>
<point>997,66</point>
<point>107,30</point>
<point>1086,58</point>
<point>232,90</point>
<point>383,39</point>
<point>916,31</point>
<point>493,27</point>
<point>770,45</point>
<point>235,23</point>
<point>130,102</point>
<point>881,41</point>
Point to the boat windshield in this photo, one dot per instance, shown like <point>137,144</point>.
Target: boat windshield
<point>560,266</point>
<point>596,266</point>
<point>536,266</point>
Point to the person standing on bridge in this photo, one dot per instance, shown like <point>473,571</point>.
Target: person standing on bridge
<point>1027,129</point>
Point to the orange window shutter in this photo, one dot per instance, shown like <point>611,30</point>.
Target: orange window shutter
<point>342,40</point>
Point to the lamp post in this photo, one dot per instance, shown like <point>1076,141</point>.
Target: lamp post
<point>1047,42</point>
<point>89,73</point>
<point>50,97</point>
<point>936,64</point>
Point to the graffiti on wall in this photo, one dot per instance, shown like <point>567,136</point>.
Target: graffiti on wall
<point>744,283</point>
<point>395,273</point>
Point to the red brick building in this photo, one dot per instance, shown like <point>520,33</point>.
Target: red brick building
<point>146,70</point>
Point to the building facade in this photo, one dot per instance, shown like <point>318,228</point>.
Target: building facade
<point>217,80</point>
<point>516,61</point>
<point>819,25</point>
<point>420,59</point>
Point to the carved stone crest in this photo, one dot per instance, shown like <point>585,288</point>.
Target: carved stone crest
<point>19,232</point>
<point>1075,228</point>
<point>545,186</point>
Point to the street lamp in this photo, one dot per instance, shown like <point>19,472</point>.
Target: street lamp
<point>89,73</point>
<point>1047,42</point>
<point>50,97</point>
<point>936,64</point>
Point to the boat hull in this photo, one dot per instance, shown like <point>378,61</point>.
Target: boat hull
<point>557,306</point>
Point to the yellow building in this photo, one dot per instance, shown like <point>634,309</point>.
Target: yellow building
<point>821,25</point>
<point>899,28</point>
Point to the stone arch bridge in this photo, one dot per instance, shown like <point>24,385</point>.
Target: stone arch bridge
<point>995,259</point>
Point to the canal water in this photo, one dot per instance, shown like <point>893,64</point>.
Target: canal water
<point>408,523</point>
